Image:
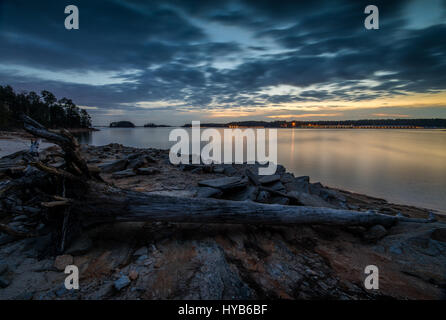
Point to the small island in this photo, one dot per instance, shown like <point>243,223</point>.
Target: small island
<point>122,124</point>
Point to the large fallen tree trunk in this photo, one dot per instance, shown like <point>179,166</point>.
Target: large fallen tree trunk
<point>78,197</point>
<point>112,204</point>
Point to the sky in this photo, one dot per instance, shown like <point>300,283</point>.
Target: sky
<point>172,62</point>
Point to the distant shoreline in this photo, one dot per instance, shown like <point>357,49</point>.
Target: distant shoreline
<point>245,127</point>
<point>436,123</point>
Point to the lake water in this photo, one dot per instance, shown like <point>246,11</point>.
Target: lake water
<point>401,166</point>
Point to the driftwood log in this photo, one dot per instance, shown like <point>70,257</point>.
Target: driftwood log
<point>79,197</point>
<point>108,204</point>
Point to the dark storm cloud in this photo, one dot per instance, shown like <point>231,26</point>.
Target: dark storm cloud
<point>172,50</point>
<point>112,35</point>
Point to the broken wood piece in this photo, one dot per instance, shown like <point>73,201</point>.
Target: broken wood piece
<point>53,204</point>
<point>57,172</point>
<point>59,198</point>
<point>65,140</point>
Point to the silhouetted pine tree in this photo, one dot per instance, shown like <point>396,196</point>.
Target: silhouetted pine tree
<point>44,108</point>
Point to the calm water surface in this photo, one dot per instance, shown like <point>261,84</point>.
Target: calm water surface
<point>402,166</point>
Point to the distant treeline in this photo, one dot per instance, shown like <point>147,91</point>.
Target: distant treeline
<point>427,123</point>
<point>44,108</point>
<point>386,122</point>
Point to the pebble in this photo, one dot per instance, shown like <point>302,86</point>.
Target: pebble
<point>395,250</point>
<point>141,252</point>
<point>376,232</point>
<point>142,258</point>
<point>121,283</point>
<point>133,275</point>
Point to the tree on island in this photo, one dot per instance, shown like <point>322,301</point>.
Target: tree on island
<point>45,108</point>
<point>122,124</point>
